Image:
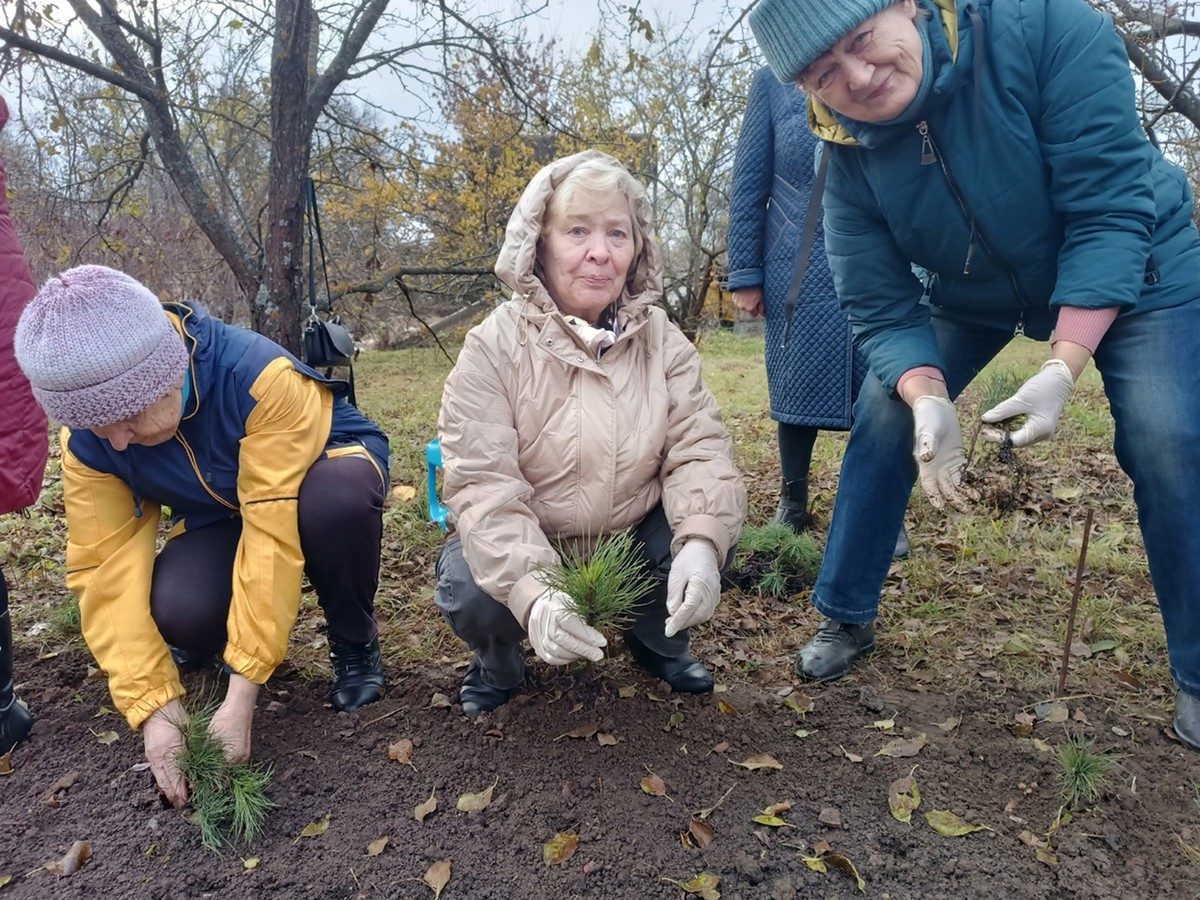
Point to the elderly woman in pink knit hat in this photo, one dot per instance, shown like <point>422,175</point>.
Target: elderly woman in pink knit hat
<point>269,474</point>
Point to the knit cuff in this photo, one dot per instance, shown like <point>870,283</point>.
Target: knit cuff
<point>1084,326</point>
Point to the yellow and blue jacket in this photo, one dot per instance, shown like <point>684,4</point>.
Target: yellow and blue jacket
<point>254,421</point>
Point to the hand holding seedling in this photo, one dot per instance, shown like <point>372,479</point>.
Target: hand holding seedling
<point>232,722</point>
<point>693,586</point>
<point>163,739</point>
<point>938,447</point>
<point>560,636</point>
<point>1040,400</point>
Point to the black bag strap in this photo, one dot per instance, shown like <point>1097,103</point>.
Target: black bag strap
<point>806,244</point>
<point>313,220</point>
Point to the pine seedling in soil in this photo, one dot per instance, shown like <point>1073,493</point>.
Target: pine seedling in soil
<point>605,586</point>
<point>229,802</point>
<point>775,560</point>
<point>997,388</point>
<point>1086,772</point>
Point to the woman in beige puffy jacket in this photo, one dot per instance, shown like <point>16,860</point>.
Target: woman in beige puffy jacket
<point>577,409</point>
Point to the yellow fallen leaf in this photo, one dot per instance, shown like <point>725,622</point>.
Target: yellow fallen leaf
<point>376,847</point>
<point>402,752</point>
<point>420,813</point>
<point>437,877</point>
<point>760,761</point>
<point>903,798</point>
<point>888,726</point>
<point>843,862</point>
<point>607,740</point>
<point>475,802</point>
<point>6,767</point>
<point>727,708</point>
<point>943,821</point>
<point>403,493</point>
<point>805,732</point>
<point>903,747</point>
<point>5,879</point>
<point>1042,746</point>
<point>627,691</point>
<point>250,864</point>
<point>773,821</point>
<point>106,737</point>
<point>816,864</point>
<point>315,829</point>
<point>559,848</point>
<point>703,886</point>
<point>799,703</point>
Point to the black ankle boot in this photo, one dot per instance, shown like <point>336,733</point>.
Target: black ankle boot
<point>684,673</point>
<point>793,505</point>
<point>15,720</point>
<point>477,696</point>
<point>358,677</point>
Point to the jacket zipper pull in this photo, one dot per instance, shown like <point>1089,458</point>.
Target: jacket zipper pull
<point>928,156</point>
<point>970,251</point>
<point>1019,330</point>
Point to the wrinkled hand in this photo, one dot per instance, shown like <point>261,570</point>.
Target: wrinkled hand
<point>938,447</point>
<point>163,741</point>
<point>693,586</point>
<point>1040,399</point>
<point>231,724</point>
<point>749,300</point>
<point>558,635</point>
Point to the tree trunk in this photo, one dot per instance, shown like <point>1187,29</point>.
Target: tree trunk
<point>278,313</point>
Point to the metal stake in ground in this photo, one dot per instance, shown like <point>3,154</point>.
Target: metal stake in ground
<point>1066,657</point>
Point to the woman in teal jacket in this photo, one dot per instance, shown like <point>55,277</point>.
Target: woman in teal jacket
<point>996,146</point>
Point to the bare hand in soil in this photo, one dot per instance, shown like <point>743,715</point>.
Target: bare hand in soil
<point>163,740</point>
<point>231,724</point>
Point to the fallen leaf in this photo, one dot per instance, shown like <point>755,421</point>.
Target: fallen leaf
<point>799,703</point>
<point>402,493</point>
<point>315,829</point>
<point>559,848</point>
<point>6,767</point>
<point>760,761</point>
<point>439,701</point>
<point>1102,646</point>
<point>654,786</point>
<point>376,847</point>
<point>888,726</point>
<point>420,813</point>
<point>627,691</point>
<point>903,798</point>
<point>816,864</point>
<point>843,862</point>
<point>805,732</point>
<point>1054,712</point>
<point>104,711</point>
<point>1128,679</point>
<point>900,748</point>
<point>107,737</point>
<point>402,752</point>
<point>1116,729</point>
<point>437,877</point>
<point>853,757</point>
<point>477,802</point>
<point>772,821</point>
<point>674,720</point>
<point>1042,746</point>
<point>607,740</point>
<point>583,731</point>
<point>727,708</point>
<point>950,724</point>
<point>720,748</point>
<point>5,879</point>
<point>1023,723</point>
<point>703,886</point>
<point>72,860</point>
<point>701,833</point>
<point>943,821</point>
<point>776,808</point>
<point>311,754</point>
<point>250,864</point>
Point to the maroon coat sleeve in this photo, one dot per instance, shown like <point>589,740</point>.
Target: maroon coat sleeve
<point>23,431</point>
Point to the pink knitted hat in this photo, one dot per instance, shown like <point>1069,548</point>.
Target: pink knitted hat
<point>97,347</point>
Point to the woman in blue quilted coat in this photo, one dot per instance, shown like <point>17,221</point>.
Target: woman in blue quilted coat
<point>813,376</point>
<point>996,145</point>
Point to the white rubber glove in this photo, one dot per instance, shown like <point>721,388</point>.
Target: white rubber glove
<point>938,447</point>
<point>693,587</point>
<point>558,635</point>
<point>1041,400</point>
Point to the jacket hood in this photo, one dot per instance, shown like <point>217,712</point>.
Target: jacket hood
<point>830,126</point>
<point>515,264</point>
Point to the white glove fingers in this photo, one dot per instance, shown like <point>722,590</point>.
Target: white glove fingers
<point>579,630</point>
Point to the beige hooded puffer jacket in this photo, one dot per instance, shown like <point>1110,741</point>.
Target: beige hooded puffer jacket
<point>542,440</point>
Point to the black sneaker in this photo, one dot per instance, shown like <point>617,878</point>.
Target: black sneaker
<point>827,657</point>
<point>358,677</point>
<point>477,696</point>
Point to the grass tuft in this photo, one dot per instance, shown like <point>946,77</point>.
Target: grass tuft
<point>606,585</point>
<point>1086,773</point>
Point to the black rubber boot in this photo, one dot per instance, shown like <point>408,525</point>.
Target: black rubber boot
<point>358,677</point>
<point>902,545</point>
<point>685,674</point>
<point>477,696</point>
<point>15,719</point>
<point>793,505</point>
<point>1187,719</point>
<point>829,655</point>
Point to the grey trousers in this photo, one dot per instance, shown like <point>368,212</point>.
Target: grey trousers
<point>493,633</point>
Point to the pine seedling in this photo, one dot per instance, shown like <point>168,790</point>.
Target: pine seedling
<point>605,586</point>
<point>776,560</point>
<point>229,801</point>
<point>1086,772</point>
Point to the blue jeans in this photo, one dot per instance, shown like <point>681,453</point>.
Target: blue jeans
<point>1150,363</point>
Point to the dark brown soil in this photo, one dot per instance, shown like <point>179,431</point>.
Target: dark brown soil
<point>1127,846</point>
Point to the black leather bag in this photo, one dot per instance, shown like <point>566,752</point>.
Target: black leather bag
<point>327,343</point>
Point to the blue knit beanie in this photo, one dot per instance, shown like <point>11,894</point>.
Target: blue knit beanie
<point>792,33</point>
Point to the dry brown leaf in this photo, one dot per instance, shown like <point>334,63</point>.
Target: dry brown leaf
<point>1023,723</point>
<point>439,701</point>
<point>720,748</point>
<point>654,786</point>
<point>402,752</point>
<point>107,737</point>
<point>904,747</point>
<point>776,808</point>
<point>72,861</point>
<point>700,833</point>
<point>476,802</point>
<point>799,703</point>
<point>315,829</point>
<point>6,764</point>
<point>376,847</point>
<point>727,708</point>
<point>607,740</point>
<point>853,757</point>
<point>627,691</point>
<point>559,848</point>
<point>904,797</point>
<point>760,761</point>
<point>583,731</point>
<point>437,877</point>
<point>838,861</point>
<point>420,813</point>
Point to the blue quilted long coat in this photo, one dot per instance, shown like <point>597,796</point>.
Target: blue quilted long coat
<point>814,378</point>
